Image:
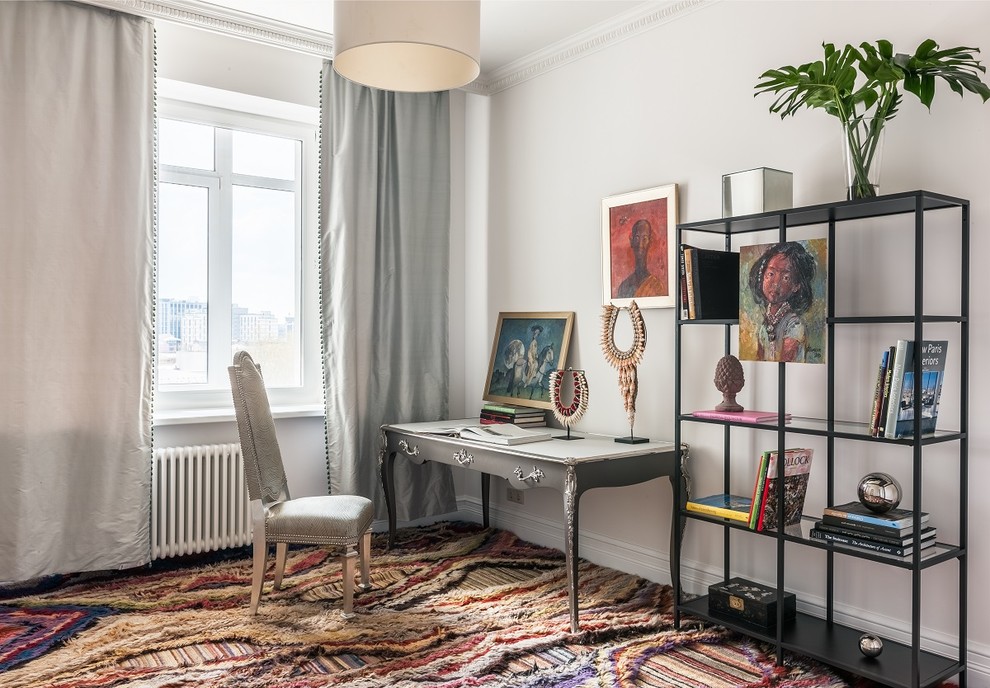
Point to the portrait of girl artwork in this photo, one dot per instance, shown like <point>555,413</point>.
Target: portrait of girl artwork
<point>782,301</point>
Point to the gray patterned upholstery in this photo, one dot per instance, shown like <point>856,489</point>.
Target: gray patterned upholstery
<point>336,520</point>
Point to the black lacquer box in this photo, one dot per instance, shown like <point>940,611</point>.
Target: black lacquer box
<point>744,600</point>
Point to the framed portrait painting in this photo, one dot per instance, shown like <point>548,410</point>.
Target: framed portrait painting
<point>783,301</point>
<point>526,348</point>
<point>639,259</point>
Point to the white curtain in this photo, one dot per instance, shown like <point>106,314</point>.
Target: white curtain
<point>76,265</point>
<point>385,246</point>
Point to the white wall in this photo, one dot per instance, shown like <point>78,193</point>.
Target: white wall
<point>675,105</point>
<point>672,105</point>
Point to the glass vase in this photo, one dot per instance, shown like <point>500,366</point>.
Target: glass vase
<point>862,145</point>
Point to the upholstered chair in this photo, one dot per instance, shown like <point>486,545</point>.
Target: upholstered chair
<point>340,521</point>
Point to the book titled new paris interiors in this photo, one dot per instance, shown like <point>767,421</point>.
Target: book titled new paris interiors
<point>900,413</point>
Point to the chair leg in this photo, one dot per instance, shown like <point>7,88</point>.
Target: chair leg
<point>347,562</point>
<point>281,549</point>
<point>364,550</point>
<point>260,552</point>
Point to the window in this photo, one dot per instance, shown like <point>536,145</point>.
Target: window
<point>236,263</point>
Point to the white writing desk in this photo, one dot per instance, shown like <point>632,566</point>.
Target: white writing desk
<point>570,467</point>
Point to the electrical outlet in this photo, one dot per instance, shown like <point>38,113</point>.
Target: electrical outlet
<point>514,495</point>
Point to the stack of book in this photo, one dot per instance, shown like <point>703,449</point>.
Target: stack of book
<point>760,511</point>
<point>892,410</point>
<point>891,533</point>
<point>516,415</point>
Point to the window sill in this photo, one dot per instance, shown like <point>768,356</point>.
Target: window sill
<point>226,415</point>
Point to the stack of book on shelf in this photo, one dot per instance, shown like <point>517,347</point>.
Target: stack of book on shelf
<point>516,415</point>
<point>891,533</point>
<point>709,282</point>
<point>892,410</point>
<point>760,511</point>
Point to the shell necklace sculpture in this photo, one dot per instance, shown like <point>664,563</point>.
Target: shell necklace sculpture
<point>625,361</point>
<point>570,414</point>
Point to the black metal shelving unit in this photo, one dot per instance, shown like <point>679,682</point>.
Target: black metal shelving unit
<point>901,665</point>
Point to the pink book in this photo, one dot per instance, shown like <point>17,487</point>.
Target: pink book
<point>741,416</point>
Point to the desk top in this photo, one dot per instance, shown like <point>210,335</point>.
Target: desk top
<point>593,447</point>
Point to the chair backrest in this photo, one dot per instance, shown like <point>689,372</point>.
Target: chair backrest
<point>259,445</point>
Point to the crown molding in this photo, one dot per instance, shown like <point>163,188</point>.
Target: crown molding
<point>637,20</point>
<point>231,22</point>
<point>228,21</point>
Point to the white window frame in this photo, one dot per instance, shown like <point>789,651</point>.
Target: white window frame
<point>230,110</point>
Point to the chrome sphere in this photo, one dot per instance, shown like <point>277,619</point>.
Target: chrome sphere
<point>879,492</point>
<point>870,645</point>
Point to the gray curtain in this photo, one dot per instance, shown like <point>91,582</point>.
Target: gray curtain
<point>384,246</point>
<point>76,247</point>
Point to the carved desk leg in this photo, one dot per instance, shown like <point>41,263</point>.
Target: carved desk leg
<point>486,483</point>
<point>386,466</point>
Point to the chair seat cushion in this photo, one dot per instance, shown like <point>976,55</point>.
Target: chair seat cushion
<point>330,519</point>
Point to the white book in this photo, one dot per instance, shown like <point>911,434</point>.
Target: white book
<point>503,433</point>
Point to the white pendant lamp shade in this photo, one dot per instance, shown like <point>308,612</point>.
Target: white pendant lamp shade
<point>407,45</point>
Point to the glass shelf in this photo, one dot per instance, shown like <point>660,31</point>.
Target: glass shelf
<point>893,204</point>
<point>840,428</point>
<point>935,554</point>
<point>838,646</point>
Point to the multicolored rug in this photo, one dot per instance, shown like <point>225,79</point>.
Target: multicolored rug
<point>453,605</point>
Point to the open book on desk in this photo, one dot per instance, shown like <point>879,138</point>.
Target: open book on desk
<point>502,433</point>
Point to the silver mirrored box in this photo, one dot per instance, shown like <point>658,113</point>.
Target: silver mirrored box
<point>756,191</point>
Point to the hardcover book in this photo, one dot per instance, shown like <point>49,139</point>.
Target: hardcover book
<point>517,411</point>
<point>865,543</point>
<point>761,478</point>
<point>485,420</point>
<point>733,507</point>
<point>797,470</point>
<point>881,421</point>
<point>499,417</point>
<point>900,421</point>
<point>688,256</point>
<point>685,311</point>
<point>855,512</point>
<point>866,528</point>
<point>877,404</point>
<point>927,534</point>
<point>904,352</point>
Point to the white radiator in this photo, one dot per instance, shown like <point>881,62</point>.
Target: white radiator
<point>199,500</point>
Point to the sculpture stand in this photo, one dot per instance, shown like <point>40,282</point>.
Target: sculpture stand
<point>571,414</point>
<point>568,436</point>
<point>632,439</point>
<point>625,361</point>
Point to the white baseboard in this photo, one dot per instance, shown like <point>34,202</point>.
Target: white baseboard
<point>697,576</point>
